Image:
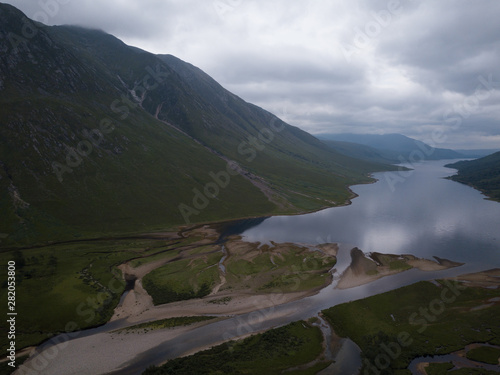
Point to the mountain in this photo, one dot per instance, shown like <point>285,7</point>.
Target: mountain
<point>477,153</point>
<point>482,174</point>
<point>363,152</point>
<point>101,138</point>
<point>395,147</point>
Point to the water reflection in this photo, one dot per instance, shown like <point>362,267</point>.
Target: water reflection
<point>425,215</point>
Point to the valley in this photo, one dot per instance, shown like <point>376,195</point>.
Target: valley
<point>154,222</point>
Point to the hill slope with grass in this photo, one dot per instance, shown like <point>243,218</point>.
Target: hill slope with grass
<point>98,137</point>
<point>482,174</point>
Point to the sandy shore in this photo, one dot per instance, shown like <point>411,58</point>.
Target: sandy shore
<point>485,279</point>
<point>138,305</point>
<point>365,269</point>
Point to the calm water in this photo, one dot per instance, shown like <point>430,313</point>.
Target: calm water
<point>421,213</point>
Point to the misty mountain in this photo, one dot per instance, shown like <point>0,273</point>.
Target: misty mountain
<point>363,152</point>
<point>98,137</point>
<point>395,148</point>
<point>479,153</point>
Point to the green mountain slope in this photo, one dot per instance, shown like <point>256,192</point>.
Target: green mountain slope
<point>483,174</point>
<point>98,137</point>
<point>287,157</point>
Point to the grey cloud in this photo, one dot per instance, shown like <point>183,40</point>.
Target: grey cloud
<point>421,63</point>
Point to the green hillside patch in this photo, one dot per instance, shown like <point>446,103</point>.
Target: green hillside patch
<point>183,279</point>
<point>418,320</point>
<point>485,354</point>
<point>270,353</point>
<point>482,174</point>
<point>282,267</point>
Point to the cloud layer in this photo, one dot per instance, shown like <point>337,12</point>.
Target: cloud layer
<point>426,69</point>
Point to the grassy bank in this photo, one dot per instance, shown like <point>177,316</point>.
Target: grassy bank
<point>421,319</point>
<point>183,279</point>
<point>271,352</point>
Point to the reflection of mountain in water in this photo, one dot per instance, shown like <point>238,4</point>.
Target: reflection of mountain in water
<point>424,214</point>
<point>237,227</point>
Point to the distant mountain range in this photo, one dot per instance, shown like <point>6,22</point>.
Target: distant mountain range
<point>388,148</point>
<point>482,174</point>
<point>98,137</point>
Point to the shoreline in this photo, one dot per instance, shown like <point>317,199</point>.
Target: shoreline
<point>367,268</point>
<point>129,345</point>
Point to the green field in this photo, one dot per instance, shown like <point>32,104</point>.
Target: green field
<point>417,320</point>
<point>183,279</point>
<point>485,354</point>
<point>67,287</point>
<point>444,369</point>
<point>271,352</point>
<point>279,268</point>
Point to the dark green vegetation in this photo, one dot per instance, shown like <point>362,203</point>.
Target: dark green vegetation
<point>183,279</point>
<point>428,320</point>
<point>5,369</point>
<point>271,352</point>
<point>482,174</point>
<point>438,368</point>
<point>443,369</point>
<point>392,148</point>
<point>102,138</point>
<point>250,268</point>
<point>485,354</point>
<point>68,287</point>
<point>166,323</point>
<point>279,268</point>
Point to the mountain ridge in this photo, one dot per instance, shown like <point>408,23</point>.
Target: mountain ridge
<point>99,138</point>
<point>394,147</point>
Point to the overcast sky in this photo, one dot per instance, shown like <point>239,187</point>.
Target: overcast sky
<point>426,69</point>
